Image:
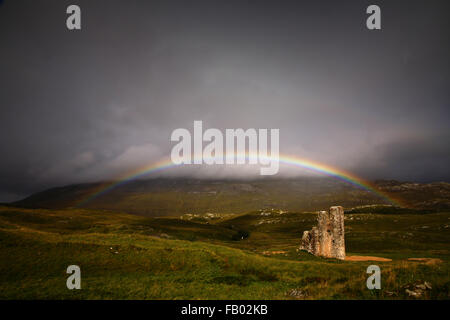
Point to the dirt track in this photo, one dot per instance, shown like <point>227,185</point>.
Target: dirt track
<point>365,258</point>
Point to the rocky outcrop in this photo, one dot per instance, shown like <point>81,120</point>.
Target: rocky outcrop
<point>327,238</point>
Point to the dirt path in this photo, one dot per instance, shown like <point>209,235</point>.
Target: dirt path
<point>426,260</point>
<point>269,253</point>
<point>429,261</point>
<point>365,258</point>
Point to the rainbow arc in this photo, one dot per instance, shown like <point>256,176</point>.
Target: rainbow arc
<point>313,166</point>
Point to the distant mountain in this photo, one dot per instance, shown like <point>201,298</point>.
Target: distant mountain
<point>173,197</point>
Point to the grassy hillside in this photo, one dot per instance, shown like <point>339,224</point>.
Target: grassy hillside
<point>173,197</point>
<point>247,256</point>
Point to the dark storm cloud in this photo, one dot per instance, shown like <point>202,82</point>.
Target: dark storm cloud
<point>424,158</point>
<point>90,104</point>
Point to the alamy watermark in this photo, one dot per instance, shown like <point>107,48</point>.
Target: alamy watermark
<point>190,150</point>
<point>73,21</point>
<point>373,22</point>
<point>74,280</point>
<point>374,280</point>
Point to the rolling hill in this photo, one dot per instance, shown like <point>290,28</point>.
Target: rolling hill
<point>174,197</point>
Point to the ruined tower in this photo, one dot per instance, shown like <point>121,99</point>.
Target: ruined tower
<point>327,239</point>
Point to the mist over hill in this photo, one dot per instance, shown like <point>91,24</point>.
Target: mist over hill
<point>174,197</point>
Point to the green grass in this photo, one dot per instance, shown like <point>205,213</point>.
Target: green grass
<point>132,257</point>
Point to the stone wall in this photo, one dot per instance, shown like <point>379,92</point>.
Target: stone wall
<point>327,239</point>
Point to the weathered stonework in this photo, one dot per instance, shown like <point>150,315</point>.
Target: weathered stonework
<point>327,239</point>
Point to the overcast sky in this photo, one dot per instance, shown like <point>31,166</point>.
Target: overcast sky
<point>79,106</point>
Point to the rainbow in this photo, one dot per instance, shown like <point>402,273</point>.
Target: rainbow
<point>286,159</point>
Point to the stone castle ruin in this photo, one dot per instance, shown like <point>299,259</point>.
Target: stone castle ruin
<point>327,238</point>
